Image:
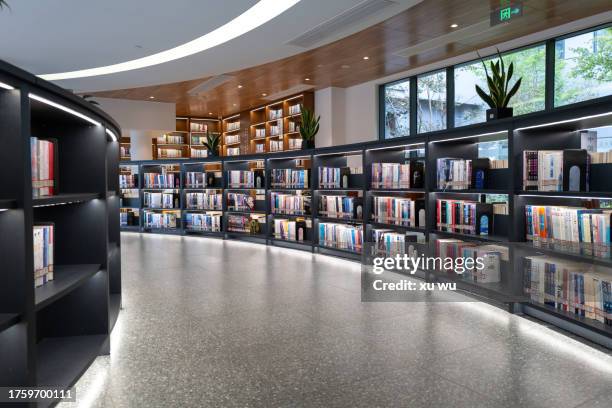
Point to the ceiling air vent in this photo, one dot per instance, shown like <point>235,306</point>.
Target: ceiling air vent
<point>209,84</point>
<point>288,92</point>
<point>340,22</point>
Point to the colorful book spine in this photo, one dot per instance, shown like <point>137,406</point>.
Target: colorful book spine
<point>44,242</point>
<point>341,236</point>
<point>204,201</point>
<point>42,158</point>
<point>291,204</point>
<point>209,222</point>
<point>289,178</point>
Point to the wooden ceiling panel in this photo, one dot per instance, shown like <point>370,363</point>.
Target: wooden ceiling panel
<point>326,66</point>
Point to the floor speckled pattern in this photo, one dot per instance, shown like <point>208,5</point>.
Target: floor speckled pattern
<point>212,323</point>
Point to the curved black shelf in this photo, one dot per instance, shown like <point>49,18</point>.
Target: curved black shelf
<point>7,320</point>
<point>64,199</point>
<point>66,279</point>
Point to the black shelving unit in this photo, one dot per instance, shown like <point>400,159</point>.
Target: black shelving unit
<point>49,335</point>
<point>556,129</point>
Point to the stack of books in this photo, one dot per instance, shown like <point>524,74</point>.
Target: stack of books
<point>241,179</point>
<point>209,222</point>
<point>198,127</point>
<point>290,204</point>
<point>129,217</point>
<point>260,148</point>
<point>390,243</point>
<point>124,151</point>
<point>276,113</point>
<point>232,126</point>
<point>169,153</point>
<point>128,180</point>
<point>579,289</point>
<point>276,145</point>
<point>195,179</point>
<point>42,158</point>
<point>44,242</point>
<point>160,200</point>
<point>204,201</point>
<point>199,153</point>
<point>294,109</point>
<point>161,180</point>
<point>233,151</point>
<point>399,211</point>
<point>465,217</point>
<point>340,206</point>
<point>334,177</point>
<point>251,224</point>
<point>171,139</point>
<point>341,236</point>
<point>276,130</point>
<point>230,139</point>
<point>290,230</point>
<point>240,202</point>
<point>290,178</point>
<point>295,144</point>
<point>485,260</point>
<point>162,220</point>
<point>555,170</point>
<point>397,176</point>
<point>260,132</point>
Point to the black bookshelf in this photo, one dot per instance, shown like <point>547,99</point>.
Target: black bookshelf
<point>556,129</point>
<point>49,335</point>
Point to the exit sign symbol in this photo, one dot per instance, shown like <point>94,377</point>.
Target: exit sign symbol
<point>506,13</point>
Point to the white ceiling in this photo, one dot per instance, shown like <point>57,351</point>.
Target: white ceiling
<point>49,36</point>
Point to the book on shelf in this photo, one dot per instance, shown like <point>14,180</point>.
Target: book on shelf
<point>241,201</point>
<point>462,174</point>
<point>209,222</point>
<point>389,243</point>
<point>129,193</point>
<point>166,219</point>
<point>399,211</point>
<point>341,207</point>
<point>231,139</point>
<point>397,176</point>
<point>295,143</point>
<point>199,153</point>
<point>277,129</point>
<point>290,204</point>
<point>233,151</point>
<point>276,145</point>
<point>490,256</point>
<point>334,177</point>
<point>161,180</point>
<point>292,126</point>
<point>560,225</point>
<point>171,139</point>
<point>169,153</point>
<point>204,201</point>
<point>129,217</point>
<point>276,114</point>
<point>600,157</point>
<point>500,208</point>
<point>124,151</point>
<point>464,217</point>
<point>260,132</point>
<point>588,140</point>
<point>260,148</point>
<point>42,158</point>
<point>290,178</point>
<point>341,236</point>
<point>580,289</point>
<point>195,179</point>
<point>233,126</point>
<point>499,163</point>
<point>128,180</point>
<point>160,200</point>
<point>294,109</point>
<point>246,179</point>
<point>198,127</point>
<point>44,243</point>
<point>290,230</point>
<point>555,170</point>
<point>251,223</point>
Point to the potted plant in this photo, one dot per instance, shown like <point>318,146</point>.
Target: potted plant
<point>3,4</point>
<point>500,91</point>
<point>309,127</point>
<point>212,143</point>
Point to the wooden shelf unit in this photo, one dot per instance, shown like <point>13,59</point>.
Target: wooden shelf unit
<point>125,148</point>
<point>197,134</point>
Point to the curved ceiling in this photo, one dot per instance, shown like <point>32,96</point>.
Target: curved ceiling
<point>49,36</point>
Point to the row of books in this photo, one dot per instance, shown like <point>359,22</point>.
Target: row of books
<point>556,170</point>
<point>490,256</point>
<point>576,288</point>
<point>334,177</point>
<point>199,153</point>
<point>198,127</point>
<point>230,139</point>
<point>276,130</point>
<point>124,151</point>
<point>161,180</point>
<point>160,200</point>
<point>389,243</point>
<point>260,148</point>
<point>198,140</point>
<point>44,242</point>
<point>232,126</point>
<point>171,139</point>
<point>341,206</point>
<point>276,145</point>
<point>293,204</point>
<point>295,143</point>
<point>251,223</point>
<point>294,109</point>
<point>233,151</point>
<point>128,180</point>
<point>129,217</point>
<point>291,230</point>
<point>499,163</point>
<point>399,211</point>
<point>260,132</point>
<point>162,220</point>
<point>275,114</point>
<point>209,222</point>
<point>293,127</point>
<point>246,179</point>
<point>290,178</point>
<point>169,153</point>
<point>461,174</point>
<point>465,217</point>
<point>240,202</point>
<point>558,224</point>
<point>341,236</point>
<point>395,175</point>
<point>204,201</point>
<point>601,157</point>
<point>42,158</point>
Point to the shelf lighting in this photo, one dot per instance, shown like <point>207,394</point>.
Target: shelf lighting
<point>470,137</point>
<point>403,147</point>
<point>565,121</point>
<point>567,196</point>
<point>64,108</point>
<point>262,12</point>
<point>6,86</point>
<point>111,134</point>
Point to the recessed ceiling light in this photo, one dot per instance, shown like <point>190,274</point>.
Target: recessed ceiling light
<point>151,97</point>
<point>366,58</point>
<point>264,94</point>
<point>320,65</point>
<point>239,86</point>
<point>235,105</point>
<point>306,79</point>
<point>454,25</point>
<point>262,12</point>
<point>210,113</point>
<point>345,66</point>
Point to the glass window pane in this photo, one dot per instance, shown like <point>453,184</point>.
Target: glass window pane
<point>528,64</point>
<point>431,102</point>
<point>397,109</point>
<point>583,67</point>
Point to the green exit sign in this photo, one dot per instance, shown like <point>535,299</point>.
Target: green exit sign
<point>507,12</point>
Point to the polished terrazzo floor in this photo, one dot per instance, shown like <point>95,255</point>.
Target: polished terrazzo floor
<point>211,323</point>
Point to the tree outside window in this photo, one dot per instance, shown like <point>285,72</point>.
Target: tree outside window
<point>431,102</point>
<point>397,109</point>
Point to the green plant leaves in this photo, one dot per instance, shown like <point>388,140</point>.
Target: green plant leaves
<point>309,126</point>
<point>498,81</point>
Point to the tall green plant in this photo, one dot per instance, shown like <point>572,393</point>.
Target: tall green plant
<point>4,4</point>
<point>498,83</point>
<point>309,126</point>
<point>212,143</point>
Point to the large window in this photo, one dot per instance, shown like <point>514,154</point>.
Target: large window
<point>397,109</point>
<point>530,64</point>
<point>583,67</point>
<point>431,102</point>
